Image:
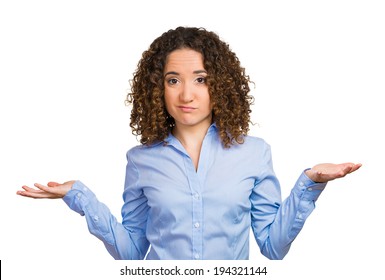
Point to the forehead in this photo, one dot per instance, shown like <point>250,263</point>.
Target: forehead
<point>184,58</point>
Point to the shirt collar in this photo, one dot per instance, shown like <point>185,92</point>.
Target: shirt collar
<point>171,139</point>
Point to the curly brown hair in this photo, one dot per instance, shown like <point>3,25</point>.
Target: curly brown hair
<point>227,83</point>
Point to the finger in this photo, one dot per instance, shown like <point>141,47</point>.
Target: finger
<point>346,168</point>
<point>20,192</point>
<point>55,192</point>
<point>35,194</point>
<point>53,184</point>
<point>351,167</point>
<point>356,167</point>
<point>44,188</point>
<point>28,189</point>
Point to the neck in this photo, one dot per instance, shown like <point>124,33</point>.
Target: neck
<point>191,136</point>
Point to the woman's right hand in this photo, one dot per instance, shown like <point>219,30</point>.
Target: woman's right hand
<point>52,190</point>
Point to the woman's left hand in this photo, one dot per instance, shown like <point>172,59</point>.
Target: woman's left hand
<point>324,172</point>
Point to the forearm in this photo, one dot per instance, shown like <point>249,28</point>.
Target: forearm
<point>120,242</point>
<point>290,217</point>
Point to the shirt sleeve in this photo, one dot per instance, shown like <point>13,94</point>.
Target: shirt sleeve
<point>276,224</point>
<point>122,240</point>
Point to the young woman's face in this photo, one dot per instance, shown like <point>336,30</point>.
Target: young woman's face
<point>186,91</point>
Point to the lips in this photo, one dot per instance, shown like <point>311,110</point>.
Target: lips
<point>186,109</point>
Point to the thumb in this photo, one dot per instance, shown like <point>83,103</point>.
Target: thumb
<point>52,184</point>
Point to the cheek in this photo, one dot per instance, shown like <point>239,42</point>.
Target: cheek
<point>167,100</point>
<point>207,101</point>
<point>166,96</point>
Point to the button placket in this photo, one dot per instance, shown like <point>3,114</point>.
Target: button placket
<point>197,217</point>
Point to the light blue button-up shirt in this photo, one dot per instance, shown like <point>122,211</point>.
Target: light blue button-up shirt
<point>172,211</point>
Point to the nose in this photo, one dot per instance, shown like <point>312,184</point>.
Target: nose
<point>187,93</point>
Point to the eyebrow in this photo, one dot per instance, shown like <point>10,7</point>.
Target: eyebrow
<point>176,73</point>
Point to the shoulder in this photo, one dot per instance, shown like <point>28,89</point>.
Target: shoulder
<point>255,147</point>
<point>255,142</point>
<point>252,147</point>
<point>142,150</point>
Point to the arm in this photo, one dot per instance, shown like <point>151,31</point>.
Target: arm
<point>123,241</point>
<point>276,224</point>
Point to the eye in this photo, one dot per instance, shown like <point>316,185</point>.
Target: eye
<point>172,81</point>
<point>201,80</point>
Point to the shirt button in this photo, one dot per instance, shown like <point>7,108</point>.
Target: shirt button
<point>309,189</point>
<point>78,195</point>
<point>301,184</point>
<point>196,256</point>
<point>196,196</point>
<point>196,225</point>
<point>96,218</point>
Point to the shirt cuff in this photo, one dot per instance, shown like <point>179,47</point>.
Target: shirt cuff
<point>307,189</point>
<point>78,197</point>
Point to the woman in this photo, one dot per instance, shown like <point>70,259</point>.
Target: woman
<point>198,182</point>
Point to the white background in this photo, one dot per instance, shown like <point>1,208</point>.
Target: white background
<point>318,67</point>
